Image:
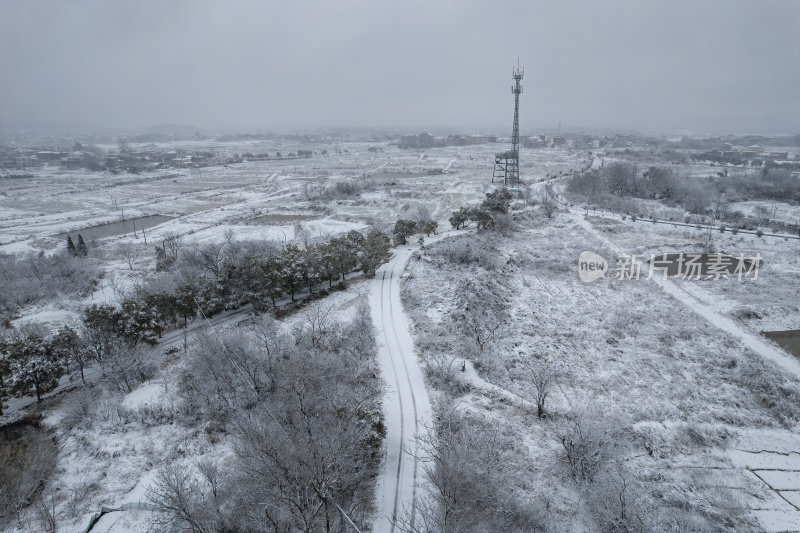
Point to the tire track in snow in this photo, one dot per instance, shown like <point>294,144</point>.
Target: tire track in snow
<point>405,406</point>
<point>413,402</point>
<point>388,345</point>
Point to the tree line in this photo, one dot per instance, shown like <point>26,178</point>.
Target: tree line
<point>489,214</point>
<point>492,213</point>
<point>697,195</point>
<point>226,279</point>
<point>31,362</point>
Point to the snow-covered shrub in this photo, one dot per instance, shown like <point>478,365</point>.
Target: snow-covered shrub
<point>31,278</point>
<point>127,367</point>
<point>441,366</point>
<point>772,392</point>
<point>504,223</point>
<point>148,415</point>
<point>27,460</point>
<point>345,189</point>
<point>588,444</point>
<point>619,501</point>
<point>472,470</point>
<point>80,407</point>
<point>464,251</point>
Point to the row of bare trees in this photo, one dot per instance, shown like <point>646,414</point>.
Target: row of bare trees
<point>697,195</point>
<point>27,279</point>
<point>304,410</point>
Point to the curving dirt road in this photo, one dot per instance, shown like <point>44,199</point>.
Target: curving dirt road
<point>406,404</point>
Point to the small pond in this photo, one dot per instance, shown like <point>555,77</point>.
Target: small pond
<point>112,229</point>
<point>789,340</point>
<point>279,219</point>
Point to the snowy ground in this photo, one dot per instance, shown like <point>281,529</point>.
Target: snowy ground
<point>692,395</point>
<point>709,421</point>
<point>741,309</point>
<point>768,303</point>
<point>112,462</point>
<point>209,202</point>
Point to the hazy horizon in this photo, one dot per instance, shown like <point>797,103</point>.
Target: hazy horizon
<point>717,67</point>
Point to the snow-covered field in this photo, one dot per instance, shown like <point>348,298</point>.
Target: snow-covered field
<point>701,424</point>
<point>686,398</point>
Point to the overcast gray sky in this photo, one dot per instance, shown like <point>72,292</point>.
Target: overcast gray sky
<point>704,66</point>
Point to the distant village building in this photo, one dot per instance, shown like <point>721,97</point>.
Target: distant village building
<point>182,162</point>
<point>427,140</point>
<point>71,162</point>
<point>457,140</point>
<point>24,161</point>
<point>24,158</point>
<point>537,141</point>
<point>409,141</point>
<point>48,155</point>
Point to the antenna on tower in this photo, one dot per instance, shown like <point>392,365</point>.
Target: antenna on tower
<point>506,164</point>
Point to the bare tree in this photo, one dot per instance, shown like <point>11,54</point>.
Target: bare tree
<point>268,330</point>
<point>177,491</point>
<point>619,502</point>
<point>548,204</point>
<point>172,244</point>
<point>214,476</point>
<point>116,206</point>
<point>128,251</point>
<point>126,367</point>
<point>542,374</point>
<point>233,249</point>
<point>44,506</point>
<point>422,214</point>
<point>527,194</point>
<point>481,310</point>
<point>27,460</point>
<point>761,213</point>
<point>208,257</point>
<point>304,465</point>
<point>318,321</point>
<point>307,423</point>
